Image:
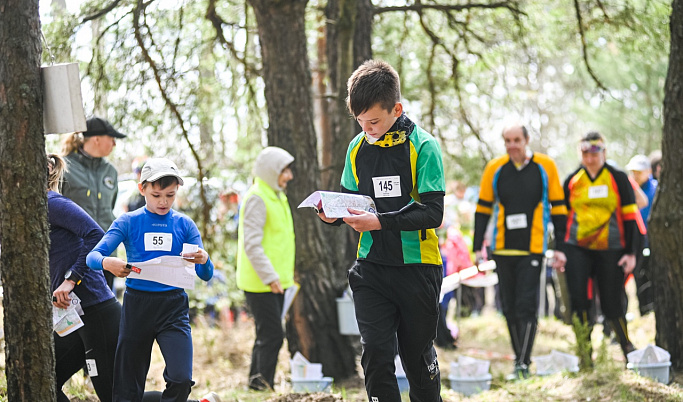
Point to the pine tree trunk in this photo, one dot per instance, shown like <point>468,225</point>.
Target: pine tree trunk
<point>666,222</point>
<point>23,207</point>
<point>312,327</point>
<point>348,45</point>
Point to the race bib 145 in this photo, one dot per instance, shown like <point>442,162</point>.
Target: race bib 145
<point>387,186</point>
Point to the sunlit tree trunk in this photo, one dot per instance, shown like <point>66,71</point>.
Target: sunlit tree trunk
<point>312,327</point>
<point>29,362</point>
<point>666,223</point>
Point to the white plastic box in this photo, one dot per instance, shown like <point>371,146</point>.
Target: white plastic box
<point>346,315</point>
<point>306,370</point>
<point>656,371</point>
<point>469,367</point>
<point>470,386</point>
<point>651,361</point>
<point>555,362</point>
<point>308,385</point>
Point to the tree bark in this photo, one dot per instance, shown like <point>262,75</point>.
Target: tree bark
<point>348,45</point>
<point>666,222</point>
<point>312,326</point>
<point>29,356</point>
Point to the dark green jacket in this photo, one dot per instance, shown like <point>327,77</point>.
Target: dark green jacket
<point>92,183</point>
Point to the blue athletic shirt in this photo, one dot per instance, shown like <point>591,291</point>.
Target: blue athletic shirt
<point>132,228</point>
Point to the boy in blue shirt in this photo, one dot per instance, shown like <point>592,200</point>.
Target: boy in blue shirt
<point>152,310</point>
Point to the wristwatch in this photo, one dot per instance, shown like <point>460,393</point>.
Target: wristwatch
<point>73,277</point>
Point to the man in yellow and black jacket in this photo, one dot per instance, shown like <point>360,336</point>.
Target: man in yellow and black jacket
<point>522,191</point>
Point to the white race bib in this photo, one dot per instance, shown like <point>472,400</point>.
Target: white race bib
<point>92,367</point>
<point>597,191</point>
<point>158,241</point>
<point>387,186</point>
<point>516,221</point>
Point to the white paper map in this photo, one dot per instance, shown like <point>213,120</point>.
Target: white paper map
<point>336,205</point>
<point>290,294</point>
<point>67,320</point>
<point>168,269</point>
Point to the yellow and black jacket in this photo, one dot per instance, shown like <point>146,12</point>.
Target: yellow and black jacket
<point>522,202</point>
<point>602,211</point>
<point>403,173</point>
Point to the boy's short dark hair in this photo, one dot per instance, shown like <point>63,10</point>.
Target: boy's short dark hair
<point>373,82</point>
<point>162,182</point>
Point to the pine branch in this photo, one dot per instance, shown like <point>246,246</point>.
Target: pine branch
<point>173,107</point>
<point>101,12</point>
<point>584,48</point>
<point>419,7</point>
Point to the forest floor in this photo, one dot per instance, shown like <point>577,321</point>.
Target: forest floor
<point>222,357</point>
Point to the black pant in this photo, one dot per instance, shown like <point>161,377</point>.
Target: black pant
<point>146,317</point>
<point>397,309</point>
<point>602,265</point>
<point>444,338</point>
<point>519,280</point>
<point>109,277</point>
<point>267,310</point>
<point>94,343</point>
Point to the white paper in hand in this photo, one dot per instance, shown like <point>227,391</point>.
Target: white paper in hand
<point>336,205</point>
<point>189,249</point>
<point>168,269</point>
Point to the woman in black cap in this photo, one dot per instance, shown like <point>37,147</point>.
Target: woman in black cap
<point>91,181</point>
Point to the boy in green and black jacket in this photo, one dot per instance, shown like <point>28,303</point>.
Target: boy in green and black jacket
<point>396,279</point>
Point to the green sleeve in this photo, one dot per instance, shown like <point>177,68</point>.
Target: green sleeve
<point>348,178</point>
<point>430,175</point>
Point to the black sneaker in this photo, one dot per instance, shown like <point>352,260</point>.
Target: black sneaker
<point>258,383</point>
<point>628,349</point>
<point>521,372</point>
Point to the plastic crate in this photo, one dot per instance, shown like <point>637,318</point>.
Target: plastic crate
<point>555,362</point>
<point>656,371</point>
<point>306,385</point>
<point>346,315</point>
<point>470,386</point>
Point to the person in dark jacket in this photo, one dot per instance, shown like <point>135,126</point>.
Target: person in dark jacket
<point>90,181</point>
<point>73,233</point>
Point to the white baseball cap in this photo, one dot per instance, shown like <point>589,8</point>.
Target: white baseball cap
<point>639,163</point>
<point>156,168</point>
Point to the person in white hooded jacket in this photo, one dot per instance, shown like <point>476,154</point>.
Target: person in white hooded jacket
<point>265,260</point>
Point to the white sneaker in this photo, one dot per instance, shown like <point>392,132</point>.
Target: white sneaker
<point>211,397</point>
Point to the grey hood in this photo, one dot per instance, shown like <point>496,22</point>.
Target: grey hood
<point>270,163</point>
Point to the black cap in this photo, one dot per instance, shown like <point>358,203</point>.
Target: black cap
<point>99,126</point>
